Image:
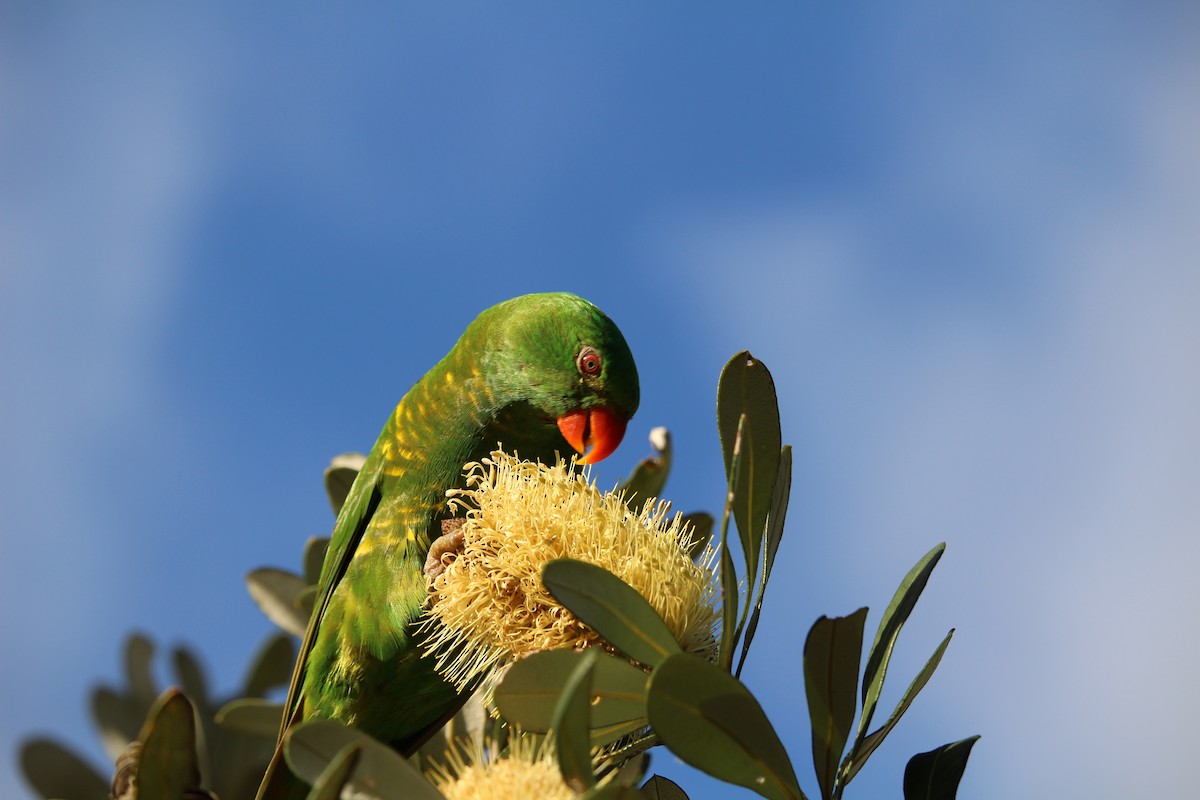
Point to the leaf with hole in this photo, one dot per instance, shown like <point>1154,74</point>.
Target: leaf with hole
<point>612,608</point>
<point>747,389</point>
<point>710,720</point>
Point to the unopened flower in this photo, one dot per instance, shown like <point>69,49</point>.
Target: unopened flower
<point>526,771</point>
<point>520,515</point>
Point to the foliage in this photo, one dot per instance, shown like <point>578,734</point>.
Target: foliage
<point>598,710</point>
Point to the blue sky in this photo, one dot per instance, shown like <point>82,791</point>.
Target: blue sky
<point>963,239</point>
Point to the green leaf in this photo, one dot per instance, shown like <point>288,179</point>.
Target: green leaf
<point>571,720</point>
<point>139,652</point>
<point>274,591</point>
<point>832,653</point>
<point>168,762</point>
<point>191,676</point>
<point>612,608</point>
<point>529,693</point>
<point>612,791</point>
<point>935,775</point>
<point>701,524</point>
<point>381,772</point>
<point>774,533</point>
<point>306,601</point>
<point>272,666</point>
<point>711,721</point>
<point>889,629</point>
<point>730,600</point>
<point>660,788</point>
<point>331,781</point>
<point>650,475</point>
<point>746,388</point>
<point>314,556</point>
<point>862,751</point>
<point>339,477</point>
<point>54,771</point>
<point>252,715</point>
<point>119,719</point>
<point>729,605</point>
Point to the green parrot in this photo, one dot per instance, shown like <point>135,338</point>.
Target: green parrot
<point>542,375</point>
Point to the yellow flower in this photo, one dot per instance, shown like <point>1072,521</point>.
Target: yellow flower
<point>527,771</point>
<point>522,515</point>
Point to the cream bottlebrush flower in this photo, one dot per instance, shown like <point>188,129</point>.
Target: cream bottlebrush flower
<point>522,515</point>
<point>527,771</point>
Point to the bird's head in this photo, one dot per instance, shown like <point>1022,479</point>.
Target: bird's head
<point>568,361</point>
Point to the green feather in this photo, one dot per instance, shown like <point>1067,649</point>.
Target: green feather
<point>510,376</point>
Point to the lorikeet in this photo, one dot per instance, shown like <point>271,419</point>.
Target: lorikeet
<point>543,375</point>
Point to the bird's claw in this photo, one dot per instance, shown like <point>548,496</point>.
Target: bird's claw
<point>444,550</point>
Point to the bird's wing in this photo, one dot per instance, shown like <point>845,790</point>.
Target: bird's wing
<point>360,506</point>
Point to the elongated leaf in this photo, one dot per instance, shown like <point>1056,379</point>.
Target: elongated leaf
<point>572,743</point>
<point>660,788</point>
<point>529,693</point>
<point>191,676</point>
<point>889,629</point>
<point>139,652</point>
<point>251,715</point>
<point>274,591</point>
<point>650,475</point>
<point>381,772</point>
<point>832,653</point>
<point>306,601</point>
<point>314,556</point>
<point>730,601</point>
<point>701,523</point>
<point>861,752</point>
<point>729,604</point>
<point>119,719</point>
<point>746,388</point>
<point>339,477</point>
<point>168,763</point>
<point>935,775</point>
<point>711,721</point>
<point>774,533</point>
<point>612,608</point>
<point>612,791</point>
<point>54,771</point>
<point>272,666</point>
<point>331,781</point>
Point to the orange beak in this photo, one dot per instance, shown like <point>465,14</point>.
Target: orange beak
<point>598,428</point>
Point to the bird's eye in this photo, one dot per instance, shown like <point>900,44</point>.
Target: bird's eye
<point>588,361</point>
